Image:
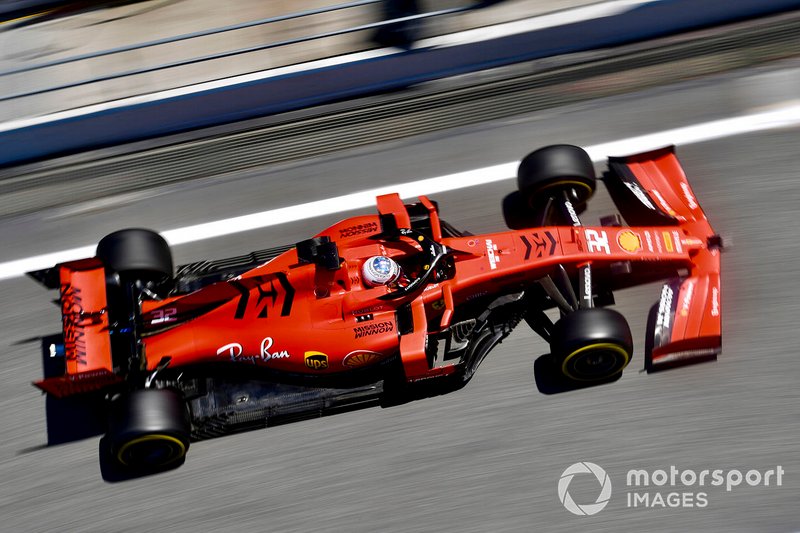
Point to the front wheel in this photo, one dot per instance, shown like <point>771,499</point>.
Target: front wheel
<point>591,345</point>
<point>148,430</point>
<point>552,171</point>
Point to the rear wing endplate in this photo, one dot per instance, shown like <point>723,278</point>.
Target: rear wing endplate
<point>85,328</point>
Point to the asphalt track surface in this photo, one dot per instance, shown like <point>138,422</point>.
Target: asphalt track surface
<point>488,457</point>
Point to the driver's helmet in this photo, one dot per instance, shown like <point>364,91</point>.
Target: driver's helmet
<point>380,270</point>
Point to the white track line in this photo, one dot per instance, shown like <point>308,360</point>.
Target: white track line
<point>787,115</point>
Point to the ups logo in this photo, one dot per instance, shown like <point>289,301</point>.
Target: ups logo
<point>316,360</point>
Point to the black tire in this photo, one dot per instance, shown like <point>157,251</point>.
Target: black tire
<point>148,430</point>
<point>136,254</point>
<point>649,339</point>
<point>591,345</point>
<point>549,171</point>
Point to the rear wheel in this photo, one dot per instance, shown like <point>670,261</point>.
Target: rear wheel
<point>591,345</point>
<point>139,254</point>
<point>137,262</point>
<point>148,430</point>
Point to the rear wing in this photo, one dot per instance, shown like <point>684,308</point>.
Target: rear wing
<point>685,325</point>
<point>85,343</point>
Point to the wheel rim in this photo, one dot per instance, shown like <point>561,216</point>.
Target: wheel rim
<point>595,362</point>
<point>151,451</point>
<point>583,190</point>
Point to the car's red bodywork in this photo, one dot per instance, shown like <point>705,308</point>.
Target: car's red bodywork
<point>295,317</point>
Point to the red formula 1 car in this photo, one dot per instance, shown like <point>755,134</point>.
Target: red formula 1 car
<point>382,308</point>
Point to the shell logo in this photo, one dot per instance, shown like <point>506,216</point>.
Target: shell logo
<point>629,241</point>
<point>361,358</point>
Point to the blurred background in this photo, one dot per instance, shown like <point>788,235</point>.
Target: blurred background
<point>171,113</point>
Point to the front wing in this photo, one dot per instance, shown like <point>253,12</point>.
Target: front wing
<point>685,325</point>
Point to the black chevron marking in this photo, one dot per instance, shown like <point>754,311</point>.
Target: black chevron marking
<point>552,242</point>
<point>528,247</point>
